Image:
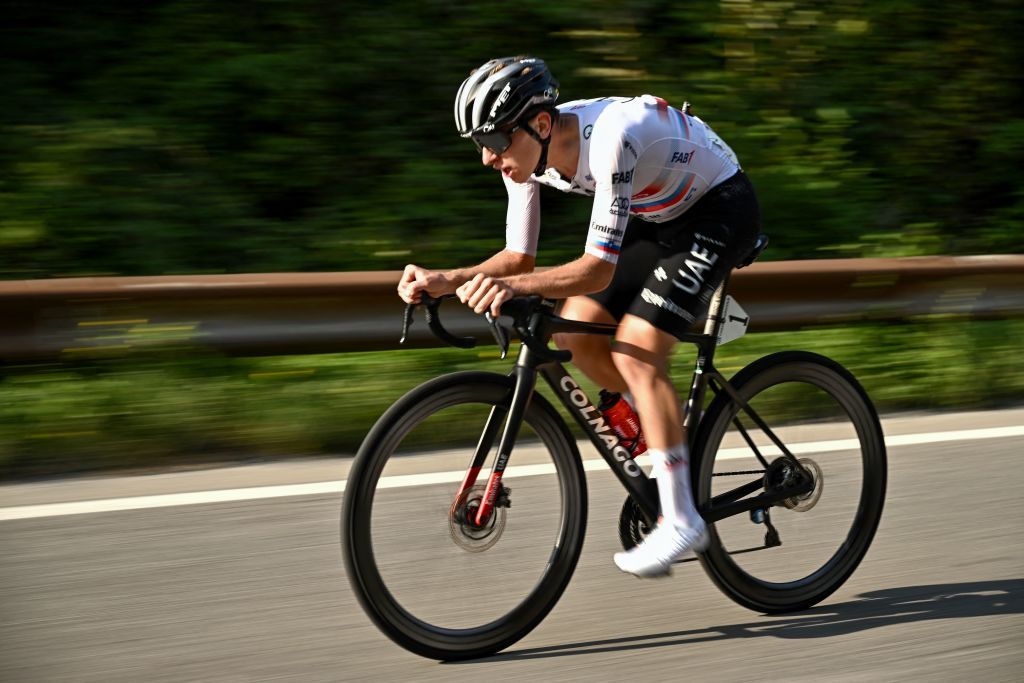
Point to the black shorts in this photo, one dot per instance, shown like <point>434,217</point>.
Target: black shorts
<point>667,272</point>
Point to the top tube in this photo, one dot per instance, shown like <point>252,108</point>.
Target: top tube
<point>560,324</point>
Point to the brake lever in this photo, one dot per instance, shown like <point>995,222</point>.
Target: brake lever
<point>407,321</point>
<point>499,332</point>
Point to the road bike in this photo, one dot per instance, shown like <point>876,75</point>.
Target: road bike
<point>466,505</point>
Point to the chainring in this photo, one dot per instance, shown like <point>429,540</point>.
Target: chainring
<point>632,527</point>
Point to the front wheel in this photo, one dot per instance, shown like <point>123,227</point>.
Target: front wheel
<point>795,552</point>
<point>430,575</point>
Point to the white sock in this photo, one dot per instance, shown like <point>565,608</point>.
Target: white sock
<point>672,471</point>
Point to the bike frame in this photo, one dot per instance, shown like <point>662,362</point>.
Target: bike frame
<point>642,489</point>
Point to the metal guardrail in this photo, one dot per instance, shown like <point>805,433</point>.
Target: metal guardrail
<point>285,313</point>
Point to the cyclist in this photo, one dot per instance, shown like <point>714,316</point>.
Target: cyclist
<point>637,157</point>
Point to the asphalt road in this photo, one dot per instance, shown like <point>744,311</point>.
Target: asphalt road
<point>253,588</point>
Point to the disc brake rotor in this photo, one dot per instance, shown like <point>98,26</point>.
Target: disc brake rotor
<point>468,535</point>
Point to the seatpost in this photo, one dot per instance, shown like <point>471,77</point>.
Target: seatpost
<point>714,321</point>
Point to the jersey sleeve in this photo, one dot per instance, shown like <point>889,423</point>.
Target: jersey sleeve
<point>522,221</point>
<point>613,160</point>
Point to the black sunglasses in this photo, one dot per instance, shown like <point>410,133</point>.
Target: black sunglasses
<point>496,140</point>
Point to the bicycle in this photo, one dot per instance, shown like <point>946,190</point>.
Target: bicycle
<point>410,484</point>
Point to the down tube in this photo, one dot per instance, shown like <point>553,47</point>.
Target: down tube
<point>589,418</point>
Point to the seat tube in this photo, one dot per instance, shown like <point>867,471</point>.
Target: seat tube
<point>705,356</point>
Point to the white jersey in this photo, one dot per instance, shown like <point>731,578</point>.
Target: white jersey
<point>637,156</point>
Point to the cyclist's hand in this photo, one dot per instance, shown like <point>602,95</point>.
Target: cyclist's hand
<point>483,293</point>
<point>416,280</point>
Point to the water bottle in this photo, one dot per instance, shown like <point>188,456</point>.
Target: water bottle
<point>623,421</point>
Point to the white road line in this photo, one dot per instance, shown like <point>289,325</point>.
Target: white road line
<point>334,487</point>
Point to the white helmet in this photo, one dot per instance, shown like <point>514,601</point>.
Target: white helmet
<point>501,92</point>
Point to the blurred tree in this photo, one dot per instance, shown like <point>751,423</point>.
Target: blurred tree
<point>177,136</point>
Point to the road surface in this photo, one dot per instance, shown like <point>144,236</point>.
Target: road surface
<point>234,574</point>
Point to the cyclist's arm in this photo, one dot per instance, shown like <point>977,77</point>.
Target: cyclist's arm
<point>503,264</point>
<point>612,162</point>
<point>415,280</point>
<point>582,276</point>
<point>522,227</point>
<point>585,275</point>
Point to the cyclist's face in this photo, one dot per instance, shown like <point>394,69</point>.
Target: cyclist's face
<point>518,161</point>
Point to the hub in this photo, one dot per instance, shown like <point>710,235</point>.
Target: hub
<point>461,520</point>
<point>805,501</point>
<point>782,475</point>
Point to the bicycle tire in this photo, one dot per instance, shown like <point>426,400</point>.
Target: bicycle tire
<point>829,381</point>
<point>436,641</point>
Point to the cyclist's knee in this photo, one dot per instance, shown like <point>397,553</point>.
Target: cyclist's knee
<point>641,351</point>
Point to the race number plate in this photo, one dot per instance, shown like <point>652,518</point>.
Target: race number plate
<point>734,322</point>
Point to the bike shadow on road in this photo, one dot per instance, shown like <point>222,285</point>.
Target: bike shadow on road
<point>869,610</point>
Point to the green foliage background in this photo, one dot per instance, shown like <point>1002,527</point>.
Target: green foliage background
<point>218,136</point>
<point>188,136</point>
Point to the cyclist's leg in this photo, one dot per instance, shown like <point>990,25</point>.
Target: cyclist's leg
<point>700,248</point>
<point>640,354</point>
<point>591,353</point>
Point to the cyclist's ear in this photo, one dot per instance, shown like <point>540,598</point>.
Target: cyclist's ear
<point>542,123</point>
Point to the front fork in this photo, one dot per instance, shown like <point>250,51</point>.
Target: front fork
<point>526,380</point>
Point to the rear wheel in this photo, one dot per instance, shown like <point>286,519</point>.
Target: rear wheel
<point>796,552</point>
<point>429,576</point>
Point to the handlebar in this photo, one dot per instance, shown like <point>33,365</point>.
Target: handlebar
<point>520,309</point>
<point>430,307</point>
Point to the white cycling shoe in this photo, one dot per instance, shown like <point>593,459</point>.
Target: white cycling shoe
<point>663,546</point>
